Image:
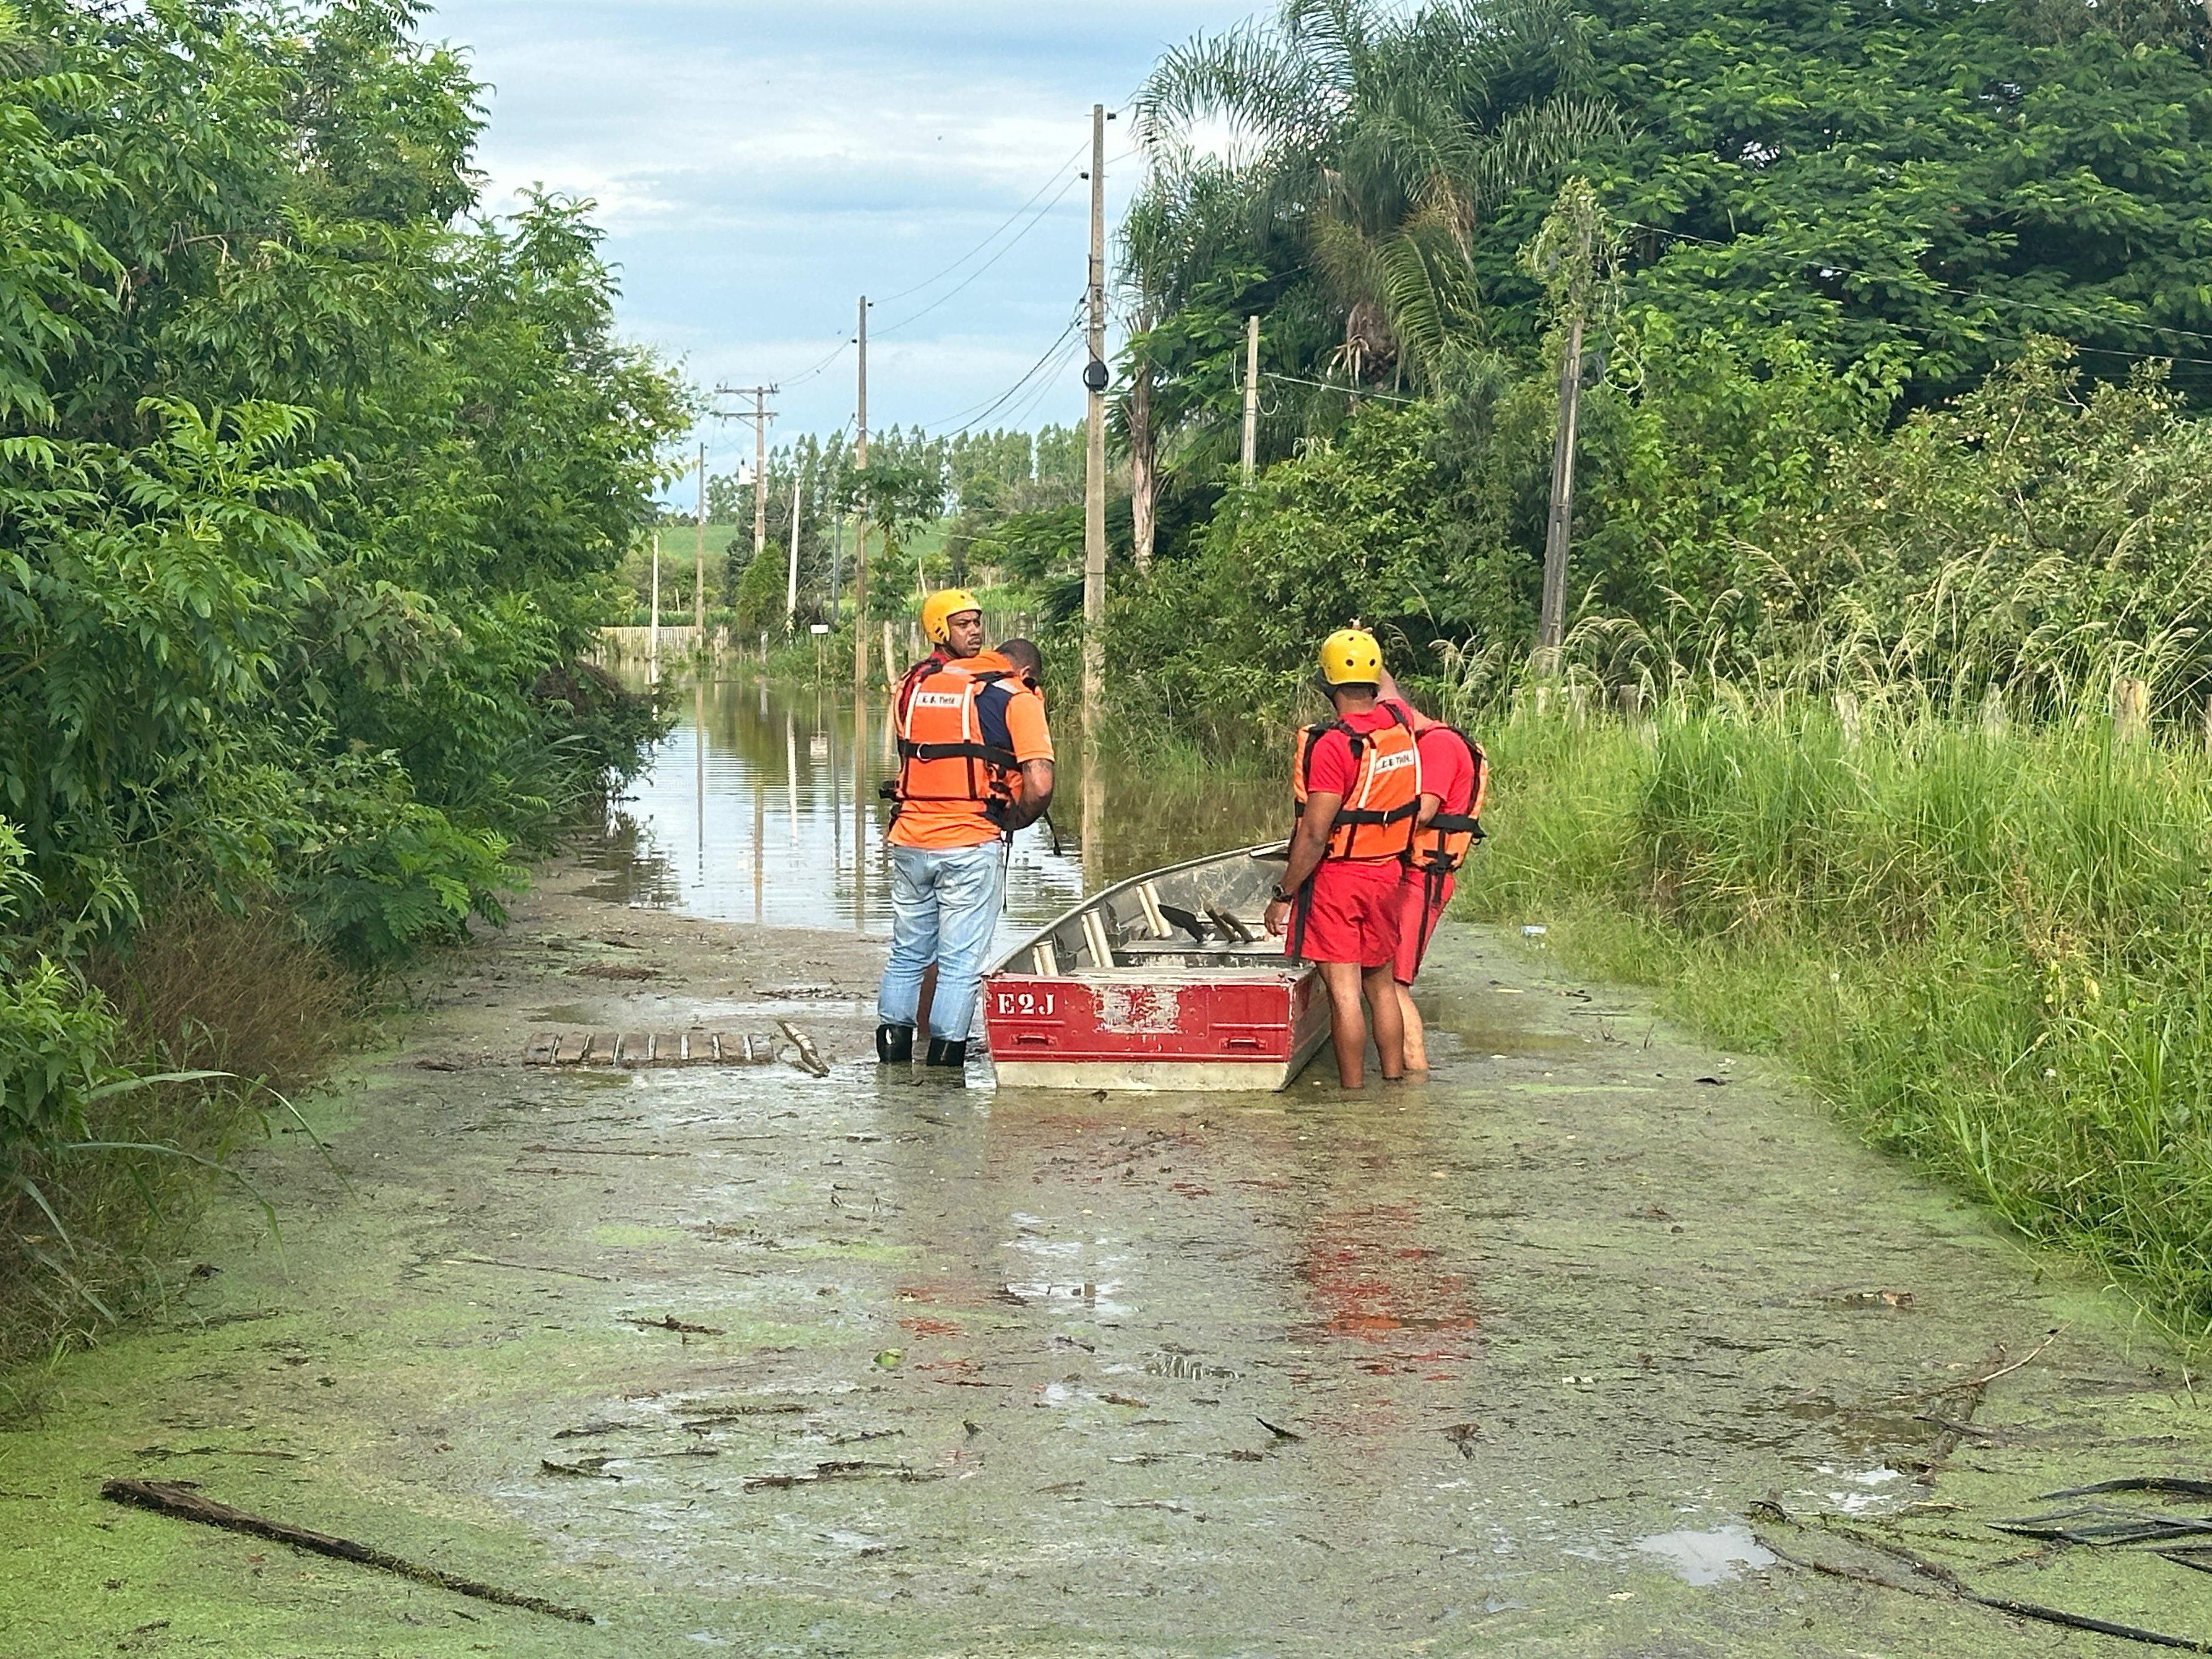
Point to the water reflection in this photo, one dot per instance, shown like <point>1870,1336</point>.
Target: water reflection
<point>761,806</point>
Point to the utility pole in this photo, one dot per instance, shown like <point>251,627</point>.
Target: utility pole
<point>1094,378</point>
<point>760,417</point>
<point>652,637</point>
<point>860,535</point>
<point>1574,256</point>
<point>1251,396</point>
<point>699,563</point>
<point>1552,632</point>
<point>791,581</point>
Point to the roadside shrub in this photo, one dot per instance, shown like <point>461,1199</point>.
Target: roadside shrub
<point>1991,948</point>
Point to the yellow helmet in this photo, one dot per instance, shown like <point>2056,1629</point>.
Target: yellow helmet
<point>941,607</point>
<point>1350,657</point>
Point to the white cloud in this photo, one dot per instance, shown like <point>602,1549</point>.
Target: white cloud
<point>757,166</point>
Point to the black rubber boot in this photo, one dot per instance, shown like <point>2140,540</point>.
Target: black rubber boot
<point>953,1056</point>
<point>894,1044</point>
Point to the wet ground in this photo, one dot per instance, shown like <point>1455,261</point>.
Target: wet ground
<point>1596,1343</point>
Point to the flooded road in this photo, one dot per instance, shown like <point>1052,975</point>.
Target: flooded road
<point>1599,1343</point>
<point>762,805</point>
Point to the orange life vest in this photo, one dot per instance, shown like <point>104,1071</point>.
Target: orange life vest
<point>945,752</point>
<point>1441,845</point>
<point>1375,821</point>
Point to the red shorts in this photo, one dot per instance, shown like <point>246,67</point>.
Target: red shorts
<point>1347,913</point>
<point>1417,924</point>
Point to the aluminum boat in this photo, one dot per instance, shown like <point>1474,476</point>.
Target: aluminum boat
<point>1167,980</point>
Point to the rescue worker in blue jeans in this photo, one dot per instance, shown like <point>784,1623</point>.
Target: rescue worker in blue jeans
<point>975,764</point>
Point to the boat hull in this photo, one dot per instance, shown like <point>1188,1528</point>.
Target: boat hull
<point>1162,983</point>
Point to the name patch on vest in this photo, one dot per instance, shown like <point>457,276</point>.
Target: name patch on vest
<point>1395,763</point>
<point>939,699</point>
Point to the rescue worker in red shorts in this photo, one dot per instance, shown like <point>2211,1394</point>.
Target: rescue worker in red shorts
<point>1455,776</point>
<point>1357,778</point>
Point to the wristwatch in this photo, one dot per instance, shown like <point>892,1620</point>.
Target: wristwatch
<point>1281,897</point>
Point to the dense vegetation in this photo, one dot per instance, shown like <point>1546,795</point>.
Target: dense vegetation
<point>312,486</point>
<point>1890,493</point>
<point>1825,406</point>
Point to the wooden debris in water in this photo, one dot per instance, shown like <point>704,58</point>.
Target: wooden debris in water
<point>634,1049</point>
<point>181,1502</point>
<point>810,1058</point>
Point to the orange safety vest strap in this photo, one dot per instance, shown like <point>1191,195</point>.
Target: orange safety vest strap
<point>990,753</point>
<point>982,775</point>
<point>1445,840</point>
<point>1344,827</point>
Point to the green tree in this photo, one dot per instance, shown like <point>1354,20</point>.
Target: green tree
<point>1380,137</point>
<point>1942,179</point>
<point>312,490</point>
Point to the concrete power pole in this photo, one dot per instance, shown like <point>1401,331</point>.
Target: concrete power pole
<point>1095,380</point>
<point>761,418</point>
<point>861,528</point>
<point>699,562</point>
<point>1575,256</point>
<point>791,580</point>
<point>1552,629</point>
<point>1551,621</point>
<point>1251,397</point>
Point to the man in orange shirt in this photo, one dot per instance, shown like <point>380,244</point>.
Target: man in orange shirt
<point>975,764</point>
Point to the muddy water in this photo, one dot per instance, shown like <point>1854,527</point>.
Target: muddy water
<point>1529,1359</point>
<point>762,804</point>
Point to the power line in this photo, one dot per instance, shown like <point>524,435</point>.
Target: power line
<point>1045,385</point>
<point>1034,220</point>
<point>1332,385</point>
<point>1072,157</point>
<point>1058,176</point>
<point>822,368</point>
<point>1052,367</point>
<point>983,410</point>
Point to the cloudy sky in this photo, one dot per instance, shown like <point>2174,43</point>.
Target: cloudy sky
<point>759,166</point>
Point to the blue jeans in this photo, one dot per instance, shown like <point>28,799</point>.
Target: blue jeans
<point>945,906</point>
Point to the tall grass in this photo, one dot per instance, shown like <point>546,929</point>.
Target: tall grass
<point>1989,945</point>
<point>89,1232</point>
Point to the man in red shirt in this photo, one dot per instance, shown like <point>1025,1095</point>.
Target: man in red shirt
<point>1453,774</point>
<point>1358,781</point>
<point>1451,778</point>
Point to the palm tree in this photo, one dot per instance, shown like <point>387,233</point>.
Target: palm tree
<point>1379,137</point>
<point>1188,225</point>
